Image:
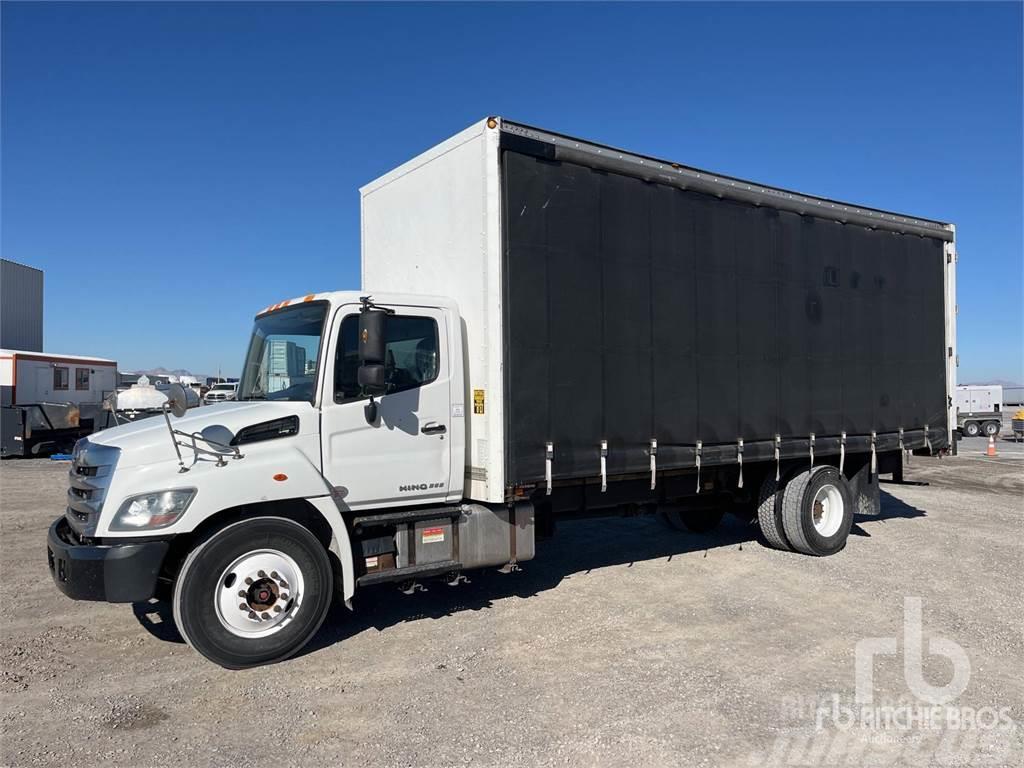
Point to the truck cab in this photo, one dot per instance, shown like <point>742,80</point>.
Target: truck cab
<point>306,450</point>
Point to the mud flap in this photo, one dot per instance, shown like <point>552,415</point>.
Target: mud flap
<point>864,489</point>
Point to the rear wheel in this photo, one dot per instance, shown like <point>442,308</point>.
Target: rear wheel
<point>991,428</point>
<point>769,514</point>
<point>253,593</point>
<point>817,511</point>
<point>972,429</point>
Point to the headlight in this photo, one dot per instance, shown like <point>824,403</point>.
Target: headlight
<point>152,510</point>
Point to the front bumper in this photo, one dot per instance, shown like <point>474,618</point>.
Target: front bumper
<point>117,573</point>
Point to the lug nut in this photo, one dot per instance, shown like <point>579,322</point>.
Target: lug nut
<point>264,615</point>
<point>248,580</point>
<point>277,609</point>
<point>262,574</point>
<point>243,607</point>
<point>252,615</point>
<point>273,575</point>
<point>241,593</point>
<point>284,585</point>
<point>283,596</point>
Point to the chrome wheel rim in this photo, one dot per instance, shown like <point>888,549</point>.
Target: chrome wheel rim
<point>827,510</point>
<point>259,593</point>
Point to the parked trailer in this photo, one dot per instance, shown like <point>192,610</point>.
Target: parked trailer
<point>979,409</point>
<point>548,328</point>
<point>1013,396</point>
<point>50,401</point>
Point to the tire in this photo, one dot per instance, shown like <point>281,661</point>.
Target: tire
<point>818,491</point>
<point>213,621</point>
<point>991,428</point>
<point>972,429</point>
<point>769,514</point>
<point>694,521</point>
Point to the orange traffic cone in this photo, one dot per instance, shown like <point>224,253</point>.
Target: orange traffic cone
<point>991,446</point>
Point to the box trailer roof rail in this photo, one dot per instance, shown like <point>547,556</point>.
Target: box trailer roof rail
<point>556,146</point>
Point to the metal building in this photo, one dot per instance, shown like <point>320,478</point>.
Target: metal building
<point>21,307</point>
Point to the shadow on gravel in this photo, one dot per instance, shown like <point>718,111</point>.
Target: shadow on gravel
<point>157,618</point>
<point>579,547</point>
<point>891,509</point>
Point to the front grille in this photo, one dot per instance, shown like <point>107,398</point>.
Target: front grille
<point>89,478</point>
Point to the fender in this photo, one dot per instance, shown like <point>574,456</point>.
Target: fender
<point>341,544</point>
<point>275,470</point>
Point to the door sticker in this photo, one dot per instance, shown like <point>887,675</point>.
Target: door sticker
<point>478,401</point>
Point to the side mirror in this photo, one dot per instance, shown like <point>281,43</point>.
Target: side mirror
<point>176,400</point>
<point>370,412</point>
<point>372,349</point>
<point>218,436</point>
<point>372,333</point>
<point>371,378</point>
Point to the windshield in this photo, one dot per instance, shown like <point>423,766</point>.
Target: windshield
<point>223,386</point>
<point>283,354</point>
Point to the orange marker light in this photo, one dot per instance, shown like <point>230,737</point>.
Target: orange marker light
<point>309,297</point>
<point>280,477</point>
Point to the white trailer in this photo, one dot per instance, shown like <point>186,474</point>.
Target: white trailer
<point>50,400</point>
<point>35,377</point>
<point>979,409</point>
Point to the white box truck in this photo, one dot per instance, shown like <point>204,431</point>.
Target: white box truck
<point>547,328</point>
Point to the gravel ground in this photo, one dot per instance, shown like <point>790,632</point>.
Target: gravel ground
<point>622,643</point>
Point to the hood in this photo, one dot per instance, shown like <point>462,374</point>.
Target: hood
<point>148,441</point>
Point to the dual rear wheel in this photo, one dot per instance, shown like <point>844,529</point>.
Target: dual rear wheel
<point>811,512</point>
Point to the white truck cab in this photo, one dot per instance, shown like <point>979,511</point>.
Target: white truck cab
<point>300,448</point>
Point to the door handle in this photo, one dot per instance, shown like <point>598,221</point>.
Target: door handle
<point>433,428</point>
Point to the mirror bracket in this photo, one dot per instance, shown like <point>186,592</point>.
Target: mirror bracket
<point>367,304</point>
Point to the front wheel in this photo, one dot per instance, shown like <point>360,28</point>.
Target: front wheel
<point>817,511</point>
<point>253,593</point>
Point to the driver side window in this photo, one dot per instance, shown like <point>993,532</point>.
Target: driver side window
<point>411,358</point>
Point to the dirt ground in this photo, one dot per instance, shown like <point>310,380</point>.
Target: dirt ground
<point>622,643</point>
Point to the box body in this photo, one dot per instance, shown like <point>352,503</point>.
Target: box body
<point>611,298</point>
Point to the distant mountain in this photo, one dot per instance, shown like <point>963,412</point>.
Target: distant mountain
<point>160,371</point>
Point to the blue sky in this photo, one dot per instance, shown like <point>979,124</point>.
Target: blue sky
<point>176,167</point>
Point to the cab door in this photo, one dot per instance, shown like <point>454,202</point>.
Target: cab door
<point>404,457</point>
